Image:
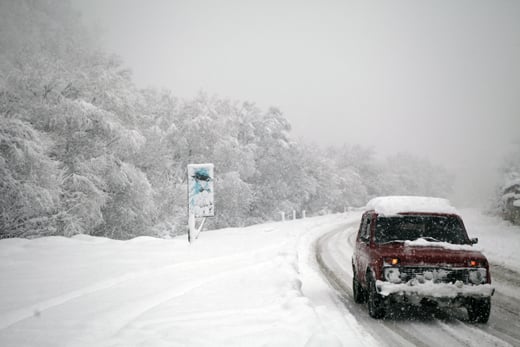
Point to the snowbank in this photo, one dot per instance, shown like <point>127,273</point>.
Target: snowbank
<point>253,286</point>
<point>393,205</point>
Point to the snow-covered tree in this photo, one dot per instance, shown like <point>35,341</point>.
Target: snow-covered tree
<point>84,151</point>
<point>507,200</point>
<point>28,181</point>
<point>233,201</point>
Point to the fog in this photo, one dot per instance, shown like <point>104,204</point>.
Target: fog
<point>439,79</point>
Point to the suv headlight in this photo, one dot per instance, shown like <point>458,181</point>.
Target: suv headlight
<point>478,276</point>
<point>392,274</point>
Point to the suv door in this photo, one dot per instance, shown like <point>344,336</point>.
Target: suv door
<point>363,247</point>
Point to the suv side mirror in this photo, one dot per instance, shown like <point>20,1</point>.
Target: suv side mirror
<point>473,240</point>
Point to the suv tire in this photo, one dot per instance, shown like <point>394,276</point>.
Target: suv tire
<point>376,302</point>
<point>479,310</point>
<point>359,293</point>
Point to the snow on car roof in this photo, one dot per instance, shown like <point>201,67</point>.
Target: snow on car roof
<point>392,205</point>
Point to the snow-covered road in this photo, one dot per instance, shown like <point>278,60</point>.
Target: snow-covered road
<point>255,286</point>
<point>413,327</point>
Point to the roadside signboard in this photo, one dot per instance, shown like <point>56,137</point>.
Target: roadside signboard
<point>200,190</point>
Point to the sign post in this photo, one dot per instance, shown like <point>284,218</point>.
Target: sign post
<point>200,197</point>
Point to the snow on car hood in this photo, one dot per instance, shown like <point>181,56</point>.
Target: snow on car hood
<point>425,243</point>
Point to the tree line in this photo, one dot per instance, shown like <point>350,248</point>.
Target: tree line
<point>84,151</point>
<point>506,202</point>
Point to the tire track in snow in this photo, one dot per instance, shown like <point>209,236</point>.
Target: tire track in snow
<point>344,293</point>
<point>169,295</point>
<point>504,274</point>
<point>454,329</point>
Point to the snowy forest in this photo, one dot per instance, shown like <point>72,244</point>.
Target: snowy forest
<point>507,199</point>
<point>83,150</point>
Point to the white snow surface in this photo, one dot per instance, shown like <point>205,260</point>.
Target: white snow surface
<point>393,205</point>
<point>255,286</point>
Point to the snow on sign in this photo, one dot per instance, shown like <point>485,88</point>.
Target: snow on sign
<point>200,190</point>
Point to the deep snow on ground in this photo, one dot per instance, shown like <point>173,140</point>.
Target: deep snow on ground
<point>232,287</point>
<point>255,286</point>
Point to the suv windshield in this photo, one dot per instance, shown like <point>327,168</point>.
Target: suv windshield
<point>433,228</point>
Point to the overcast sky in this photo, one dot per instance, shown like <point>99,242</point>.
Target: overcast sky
<point>434,78</point>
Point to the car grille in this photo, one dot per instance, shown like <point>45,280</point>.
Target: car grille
<point>438,275</point>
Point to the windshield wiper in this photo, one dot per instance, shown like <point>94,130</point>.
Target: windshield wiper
<point>391,241</point>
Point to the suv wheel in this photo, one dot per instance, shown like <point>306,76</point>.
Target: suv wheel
<point>358,290</point>
<point>479,310</point>
<point>376,302</point>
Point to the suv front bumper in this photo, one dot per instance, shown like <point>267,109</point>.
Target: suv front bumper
<point>415,292</point>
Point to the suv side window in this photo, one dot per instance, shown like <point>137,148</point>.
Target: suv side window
<point>364,235</point>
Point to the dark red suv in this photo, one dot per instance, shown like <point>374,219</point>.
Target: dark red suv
<point>415,250</point>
